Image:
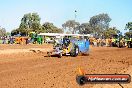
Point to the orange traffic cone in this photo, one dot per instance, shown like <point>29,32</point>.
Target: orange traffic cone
<point>81,71</point>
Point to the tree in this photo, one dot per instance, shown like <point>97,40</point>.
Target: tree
<point>14,32</point>
<point>2,31</point>
<point>71,25</point>
<point>129,26</point>
<point>50,28</point>
<point>110,32</point>
<point>30,22</point>
<point>100,23</point>
<point>64,27</point>
<point>8,33</point>
<point>128,35</point>
<point>85,28</point>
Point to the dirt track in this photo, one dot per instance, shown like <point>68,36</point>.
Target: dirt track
<point>26,66</point>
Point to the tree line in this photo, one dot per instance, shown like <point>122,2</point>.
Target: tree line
<point>31,22</point>
<point>98,25</point>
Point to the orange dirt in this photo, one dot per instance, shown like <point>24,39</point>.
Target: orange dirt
<point>26,66</point>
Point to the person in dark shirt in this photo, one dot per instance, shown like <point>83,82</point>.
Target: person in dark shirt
<point>11,40</point>
<point>66,41</point>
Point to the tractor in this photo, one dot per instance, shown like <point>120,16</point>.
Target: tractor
<point>71,47</point>
<point>21,40</point>
<point>35,38</point>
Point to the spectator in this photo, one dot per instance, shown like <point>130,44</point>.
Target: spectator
<point>95,42</point>
<point>4,40</point>
<point>107,42</point>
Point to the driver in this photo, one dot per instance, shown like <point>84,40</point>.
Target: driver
<point>66,41</point>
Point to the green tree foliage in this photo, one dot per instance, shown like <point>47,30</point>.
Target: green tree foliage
<point>100,23</point>
<point>110,32</point>
<point>50,28</point>
<point>29,22</point>
<point>2,31</point>
<point>71,25</point>
<point>14,32</point>
<point>8,33</point>
<point>85,28</point>
<point>128,35</point>
<point>129,26</point>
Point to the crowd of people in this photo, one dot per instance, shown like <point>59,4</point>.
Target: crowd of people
<point>20,40</point>
<point>5,39</point>
<point>110,42</point>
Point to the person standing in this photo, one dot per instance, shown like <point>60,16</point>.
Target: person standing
<point>107,42</point>
<point>11,40</point>
<point>4,39</point>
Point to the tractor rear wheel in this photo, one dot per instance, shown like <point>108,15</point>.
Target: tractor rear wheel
<point>75,51</point>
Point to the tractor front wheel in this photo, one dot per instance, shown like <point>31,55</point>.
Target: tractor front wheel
<point>49,54</point>
<point>60,55</point>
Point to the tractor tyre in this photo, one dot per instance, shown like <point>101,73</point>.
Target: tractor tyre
<point>60,55</point>
<point>49,54</point>
<point>75,51</point>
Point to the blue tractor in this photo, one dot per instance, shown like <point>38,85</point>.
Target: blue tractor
<point>71,47</point>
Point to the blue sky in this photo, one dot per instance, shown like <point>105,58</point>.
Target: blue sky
<point>59,11</point>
